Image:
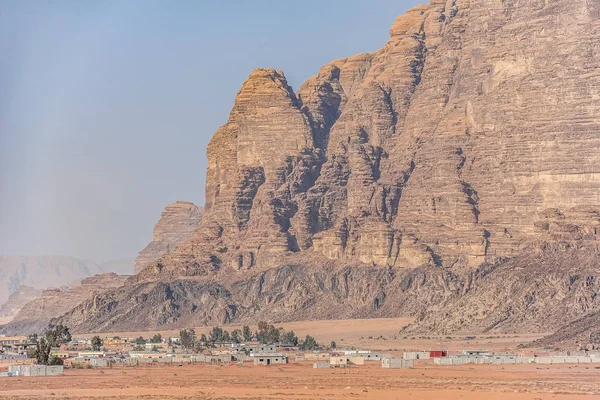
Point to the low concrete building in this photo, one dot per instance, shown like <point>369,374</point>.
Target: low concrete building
<point>416,355</point>
<point>143,354</point>
<point>397,363</point>
<point>338,361</point>
<point>367,355</point>
<point>100,362</point>
<point>316,356</point>
<point>269,358</point>
<point>91,354</point>
<point>476,353</point>
<point>257,348</point>
<point>12,356</point>
<point>12,340</point>
<point>36,370</point>
<point>355,360</point>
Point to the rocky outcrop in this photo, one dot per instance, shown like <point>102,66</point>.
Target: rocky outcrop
<point>16,301</point>
<point>583,334</point>
<point>36,314</point>
<point>286,293</point>
<point>465,142</point>
<point>538,291</point>
<point>41,272</point>
<point>176,225</point>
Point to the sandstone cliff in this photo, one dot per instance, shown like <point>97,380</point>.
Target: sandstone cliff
<point>176,225</point>
<point>440,161</point>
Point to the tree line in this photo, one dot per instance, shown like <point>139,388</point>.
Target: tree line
<point>266,334</point>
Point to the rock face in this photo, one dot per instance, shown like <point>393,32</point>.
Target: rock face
<point>446,146</point>
<point>41,272</point>
<point>445,157</point>
<point>176,225</point>
<point>583,333</point>
<point>35,315</point>
<point>16,301</point>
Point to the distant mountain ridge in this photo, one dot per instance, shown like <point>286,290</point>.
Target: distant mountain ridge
<point>42,272</point>
<point>23,278</point>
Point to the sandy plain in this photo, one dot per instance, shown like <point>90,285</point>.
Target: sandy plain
<point>300,381</point>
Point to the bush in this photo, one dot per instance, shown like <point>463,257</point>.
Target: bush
<point>55,361</point>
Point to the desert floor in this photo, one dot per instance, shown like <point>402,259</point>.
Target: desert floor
<point>301,381</point>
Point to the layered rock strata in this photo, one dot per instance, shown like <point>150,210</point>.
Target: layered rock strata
<point>444,158</point>
<point>176,225</point>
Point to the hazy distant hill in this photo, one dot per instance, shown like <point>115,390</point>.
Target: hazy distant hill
<point>42,272</point>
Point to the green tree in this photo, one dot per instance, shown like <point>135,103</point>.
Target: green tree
<point>187,338</point>
<point>58,335</point>
<point>289,338</point>
<point>216,335</point>
<point>236,336</point>
<point>309,343</point>
<point>268,333</point>
<point>53,337</point>
<point>97,343</point>
<point>332,345</point>
<point>203,338</point>
<point>42,351</point>
<point>226,337</point>
<point>140,341</point>
<point>247,333</point>
<point>156,338</point>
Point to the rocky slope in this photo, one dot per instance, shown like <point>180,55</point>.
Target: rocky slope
<point>41,272</point>
<point>176,225</point>
<point>290,292</point>
<point>16,301</point>
<point>583,333</point>
<point>450,157</point>
<point>536,292</point>
<point>35,315</point>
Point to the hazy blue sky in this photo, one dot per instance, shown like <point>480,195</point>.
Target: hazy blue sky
<point>106,107</point>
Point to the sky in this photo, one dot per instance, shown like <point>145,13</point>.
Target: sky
<point>106,107</point>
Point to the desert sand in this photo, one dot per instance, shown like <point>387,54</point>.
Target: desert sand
<point>301,381</point>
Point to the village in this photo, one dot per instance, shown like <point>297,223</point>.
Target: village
<point>265,347</point>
